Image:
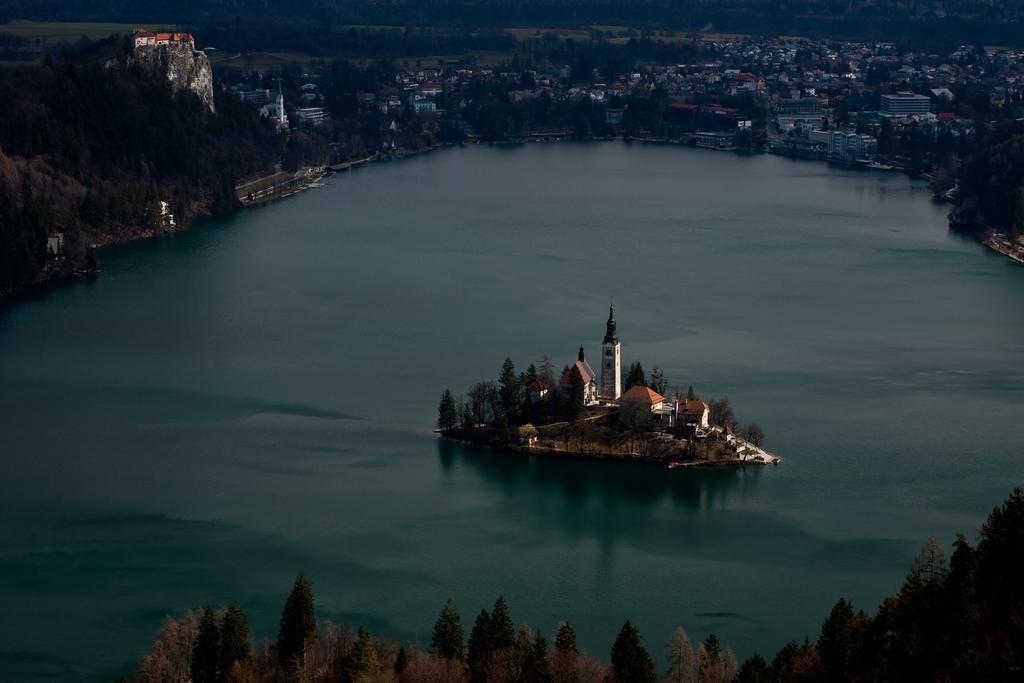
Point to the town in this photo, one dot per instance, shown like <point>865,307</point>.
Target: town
<point>868,104</point>
<point>583,414</point>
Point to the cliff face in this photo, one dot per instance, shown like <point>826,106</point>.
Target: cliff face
<point>185,68</point>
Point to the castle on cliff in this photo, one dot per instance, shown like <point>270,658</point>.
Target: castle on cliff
<point>144,38</point>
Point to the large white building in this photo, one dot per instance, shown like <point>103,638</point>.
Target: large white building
<point>611,361</point>
<point>905,104</point>
<point>846,145</point>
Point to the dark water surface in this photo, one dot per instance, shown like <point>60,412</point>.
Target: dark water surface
<point>228,405</point>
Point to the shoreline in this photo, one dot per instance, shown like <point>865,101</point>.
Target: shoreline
<point>305,180</point>
<point>555,453</point>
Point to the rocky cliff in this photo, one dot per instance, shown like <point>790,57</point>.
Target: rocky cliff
<point>185,68</point>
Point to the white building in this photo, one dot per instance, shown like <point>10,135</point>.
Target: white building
<point>611,361</point>
<point>846,146</point>
<point>311,115</point>
<point>905,104</point>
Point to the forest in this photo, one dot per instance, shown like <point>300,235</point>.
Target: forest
<point>958,20</point>
<point>955,620</point>
<point>992,185</point>
<point>90,144</point>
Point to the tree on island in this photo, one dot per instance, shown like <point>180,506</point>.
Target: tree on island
<point>546,372</point>
<point>447,415</point>
<point>658,382</point>
<point>447,639</point>
<point>635,377</point>
<point>752,433</point>
<point>206,650</point>
<point>630,661</point>
<point>575,402</point>
<point>509,390</point>
<point>298,626</point>
<point>720,413</point>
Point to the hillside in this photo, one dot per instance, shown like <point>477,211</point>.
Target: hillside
<point>92,142</point>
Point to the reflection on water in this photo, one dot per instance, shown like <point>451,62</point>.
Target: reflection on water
<point>607,483</point>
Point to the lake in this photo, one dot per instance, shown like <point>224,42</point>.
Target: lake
<point>228,405</point>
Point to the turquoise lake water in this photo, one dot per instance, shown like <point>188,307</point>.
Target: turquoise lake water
<point>228,405</point>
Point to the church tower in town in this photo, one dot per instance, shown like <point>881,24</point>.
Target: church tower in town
<point>611,361</point>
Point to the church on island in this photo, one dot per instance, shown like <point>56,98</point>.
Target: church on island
<point>639,406</point>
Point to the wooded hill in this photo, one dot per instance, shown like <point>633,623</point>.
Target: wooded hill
<point>91,143</point>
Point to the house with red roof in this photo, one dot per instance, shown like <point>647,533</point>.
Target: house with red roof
<point>640,406</point>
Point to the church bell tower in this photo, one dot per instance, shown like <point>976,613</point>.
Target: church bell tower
<point>611,361</point>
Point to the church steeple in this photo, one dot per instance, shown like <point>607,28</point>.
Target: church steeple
<point>611,360</point>
<point>610,336</point>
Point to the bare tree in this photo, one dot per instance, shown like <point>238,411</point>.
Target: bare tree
<point>681,660</point>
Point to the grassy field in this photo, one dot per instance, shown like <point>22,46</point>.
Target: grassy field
<point>258,61</point>
<point>57,32</point>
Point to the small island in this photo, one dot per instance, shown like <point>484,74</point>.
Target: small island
<point>581,415</point>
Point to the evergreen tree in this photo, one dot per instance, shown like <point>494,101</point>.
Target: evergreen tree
<point>754,670</point>
<point>565,639</point>
<point>636,377</point>
<point>235,642</point>
<point>298,626</point>
<point>467,417</point>
<point>576,397</point>
<point>206,650</point>
<point>447,416</point>
<point>630,661</point>
<point>691,395</point>
<point>447,638</point>
<point>363,662</point>
<point>535,664</point>
<point>480,647</point>
<point>835,644</point>
<point>401,661</point>
<point>502,631</point>
<point>508,389</point>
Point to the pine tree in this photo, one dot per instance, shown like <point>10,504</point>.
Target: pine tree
<point>535,664</point>
<point>447,416</point>
<point>503,633</point>
<point>508,389</point>
<point>565,639</point>
<point>636,377</point>
<point>206,650</point>
<point>363,662</point>
<point>630,661</point>
<point>691,395</point>
<point>480,647</point>
<point>401,660</point>
<point>298,625</point>
<point>754,670</point>
<point>447,638</point>
<point>235,643</point>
